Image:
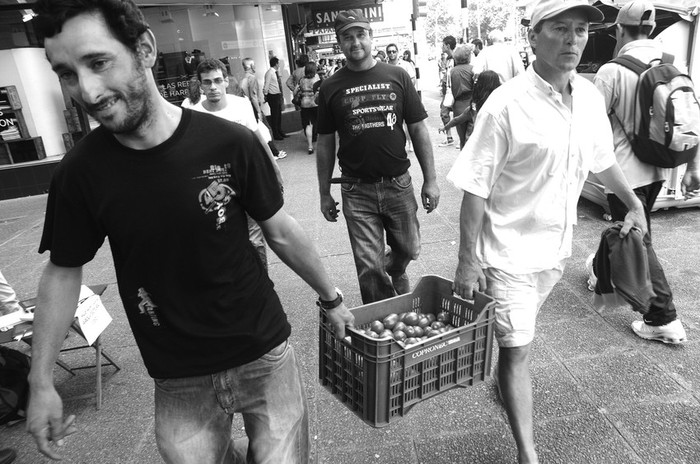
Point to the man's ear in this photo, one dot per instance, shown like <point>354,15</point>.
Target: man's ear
<point>146,49</point>
<point>619,31</point>
<point>532,38</point>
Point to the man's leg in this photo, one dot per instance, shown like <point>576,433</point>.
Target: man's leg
<point>518,300</point>
<point>270,395</point>
<point>516,391</point>
<point>399,213</point>
<point>662,310</point>
<point>366,232</point>
<point>190,425</point>
<point>445,118</point>
<point>275,101</point>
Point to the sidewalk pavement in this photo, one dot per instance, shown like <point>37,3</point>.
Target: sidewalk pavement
<point>601,394</point>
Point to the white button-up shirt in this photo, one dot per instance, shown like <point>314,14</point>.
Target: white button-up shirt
<point>529,156</point>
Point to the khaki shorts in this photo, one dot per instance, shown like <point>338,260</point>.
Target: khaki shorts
<point>519,298</point>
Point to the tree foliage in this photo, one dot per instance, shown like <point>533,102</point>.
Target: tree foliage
<point>441,22</point>
<point>445,18</point>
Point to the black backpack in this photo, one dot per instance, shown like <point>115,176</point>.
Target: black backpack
<point>14,386</point>
<point>667,113</point>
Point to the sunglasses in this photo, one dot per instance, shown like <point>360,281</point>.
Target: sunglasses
<point>209,82</point>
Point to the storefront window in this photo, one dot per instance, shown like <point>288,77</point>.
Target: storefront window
<point>186,34</point>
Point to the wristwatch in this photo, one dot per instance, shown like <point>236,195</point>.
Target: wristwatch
<point>332,304</point>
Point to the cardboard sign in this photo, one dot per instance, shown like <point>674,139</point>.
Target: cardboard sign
<point>92,315</point>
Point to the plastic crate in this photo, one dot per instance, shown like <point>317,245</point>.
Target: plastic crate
<point>380,380</point>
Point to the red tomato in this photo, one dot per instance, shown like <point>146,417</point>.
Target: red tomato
<point>399,326</point>
<point>399,335</point>
<point>386,334</point>
<point>418,331</point>
<point>411,318</point>
<point>423,321</point>
<point>443,316</point>
<point>437,325</point>
<point>390,321</point>
<point>410,331</point>
<point>376,326</point>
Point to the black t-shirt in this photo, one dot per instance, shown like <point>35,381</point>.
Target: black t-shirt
<point>195,292</point>
<point>368,109</point>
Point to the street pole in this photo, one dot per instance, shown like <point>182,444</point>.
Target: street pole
<point>414,20</point>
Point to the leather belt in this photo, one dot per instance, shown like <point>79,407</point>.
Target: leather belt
<point>363,180</point>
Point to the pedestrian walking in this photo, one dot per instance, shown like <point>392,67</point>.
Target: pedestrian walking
<point>366,103</point>
<point>169,188</point>
<point>522,171</point>
<point>272,89</point>
<point>634,24</point>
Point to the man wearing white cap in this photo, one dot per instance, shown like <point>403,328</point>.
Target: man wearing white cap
<point>618,84</point>
<point>522,170</point>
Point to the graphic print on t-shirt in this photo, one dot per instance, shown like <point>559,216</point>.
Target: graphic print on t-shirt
<point>215,197</point>
<point>372,106</point>
<point>147,307</point>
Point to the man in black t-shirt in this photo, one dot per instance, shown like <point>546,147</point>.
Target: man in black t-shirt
<point>366,103</point>
<point>170,188</point>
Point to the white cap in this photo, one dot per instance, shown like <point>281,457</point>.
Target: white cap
<point>546,9</point>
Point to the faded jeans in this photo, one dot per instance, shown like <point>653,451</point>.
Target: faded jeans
<point>194,414</point>
<point>662,310</point>
<point>370,210</point>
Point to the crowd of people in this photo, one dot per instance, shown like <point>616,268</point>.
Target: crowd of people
<point>214,336</point>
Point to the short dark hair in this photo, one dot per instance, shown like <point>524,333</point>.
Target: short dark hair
<point>302,60</point>
<point>478,43</point>
<point>273,61</point>
<point>450,41</point>
<point>310,70</point>
<point>211,64</point>
<point>123,18</point>
<point>392,45</point>
<point>638,31</point>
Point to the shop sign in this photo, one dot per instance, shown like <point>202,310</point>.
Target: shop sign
<point>9,124</point>
<point>174,89</point>
<point>321,31</point>
<point>7,119</point>
<point>241,44</point>
<point>324,18</point>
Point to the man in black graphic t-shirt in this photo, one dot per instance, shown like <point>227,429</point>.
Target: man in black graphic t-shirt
<point>366,103</point>
<point>170,188</point>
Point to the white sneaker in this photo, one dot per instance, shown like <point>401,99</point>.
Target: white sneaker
<point>672,333</point>
<point>592,279</point>
<point>281,155</point>
<point>446,143</point>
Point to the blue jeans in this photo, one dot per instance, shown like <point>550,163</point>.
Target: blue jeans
<point>194,414</point>
<point>662,310</point>
<point>370,210</point>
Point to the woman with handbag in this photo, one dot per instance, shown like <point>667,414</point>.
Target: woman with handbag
<point>307,89</point>
<point>461,78</point>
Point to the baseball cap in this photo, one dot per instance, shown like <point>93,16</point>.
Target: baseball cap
<point>637,13</point>
<point>546,9</point>
<point>350,18</point>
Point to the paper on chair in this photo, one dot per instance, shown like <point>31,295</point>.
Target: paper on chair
<point>10,320</point>
<point>93,317</point>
